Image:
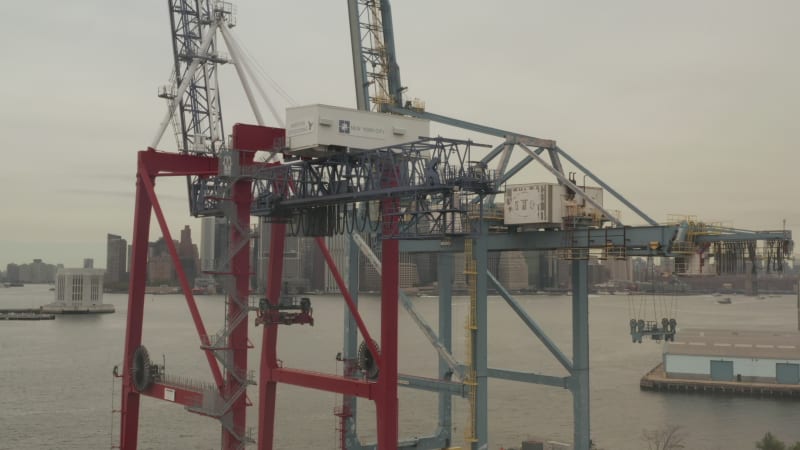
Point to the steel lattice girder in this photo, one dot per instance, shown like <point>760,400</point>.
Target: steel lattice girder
<point>636,241</point>
<point>419,168</point>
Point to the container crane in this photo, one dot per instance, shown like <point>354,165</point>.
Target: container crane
<point>194,109</point>
<point>377,83</point>
<point>425,177</point>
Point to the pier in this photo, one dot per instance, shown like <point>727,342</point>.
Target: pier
<point>25,314</point>
<point>657,380</point>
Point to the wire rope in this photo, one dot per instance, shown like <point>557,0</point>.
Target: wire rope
<point>259,68</point>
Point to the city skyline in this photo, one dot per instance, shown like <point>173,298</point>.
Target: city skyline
<point>682,107</point>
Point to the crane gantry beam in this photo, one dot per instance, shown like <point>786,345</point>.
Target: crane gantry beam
<point>428,192</point>
<point>433,179</point>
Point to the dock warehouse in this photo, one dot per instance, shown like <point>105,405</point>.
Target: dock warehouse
<point>742,356</point>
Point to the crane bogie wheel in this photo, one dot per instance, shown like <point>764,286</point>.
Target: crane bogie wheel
<point>141,374</point>
<point>366,363</point>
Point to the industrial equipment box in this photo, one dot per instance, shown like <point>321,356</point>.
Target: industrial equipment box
<point>546,204</point>
<point>318,130</point>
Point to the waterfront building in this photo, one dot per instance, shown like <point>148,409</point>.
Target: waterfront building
<point>512,270</point>
<point>88,263</point>
<point>619,269</point>
<point>160,269</point>
<point>314,265</point>
<point>296,254</point>
<point>34,272</point>
<point>370,279</point>
<point>189,255</point>
<point>339,248</point>
<point>214,237</point>
<point>116,256</point>
<point>207,243</point>
<point>12,273</point>
<point>78,291</point>
<point>734,356</point>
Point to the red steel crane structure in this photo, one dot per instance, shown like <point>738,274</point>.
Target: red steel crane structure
<point>219,186</point>
<point>437,185</point>
<point>389,175</point>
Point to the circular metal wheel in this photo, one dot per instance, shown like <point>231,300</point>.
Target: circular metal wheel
<point>366,362</point>
<point>140,369</point>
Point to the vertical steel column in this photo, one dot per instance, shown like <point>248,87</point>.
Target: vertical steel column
<point>480,358</point>
<point>359,69</point>
<point>350,344</point>
<point>386,402</point>
<point>238,304</point>
<point>350,329</point>
<point>129,416</point>
<point>393,70</point>
<point>269,340</point>
<point>444,271</point>
<point>580,354</point>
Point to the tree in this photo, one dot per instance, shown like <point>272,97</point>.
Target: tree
<point>770,442</point>
<point>669,438</point>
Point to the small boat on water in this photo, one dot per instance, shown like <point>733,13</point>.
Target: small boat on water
<point>724,301</point>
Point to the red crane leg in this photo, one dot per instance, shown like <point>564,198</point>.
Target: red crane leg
<point>387,404</point>
<point>362,327</point>
<point>269,351</point>
<point>159,164</point>
<point>237,341</point>
<point>129,417</point>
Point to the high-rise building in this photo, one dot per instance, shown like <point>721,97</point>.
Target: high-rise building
<point>295,277</point>
<point>512,270</point>
<point>188,255</point>
<point>214,237</point>
<point>116,256</point>
<point>34,272</point>
<point>207,243</point>
<point>160,269</point>
<point>88,263</point>
<point>12,273</point>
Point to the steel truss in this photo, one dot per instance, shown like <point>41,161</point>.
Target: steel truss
<point>577,244</point>
<point>377,75</point>
<point>151,165</point>
<point>288,195</point>
<point>432,179</point>
<point>199,111</point>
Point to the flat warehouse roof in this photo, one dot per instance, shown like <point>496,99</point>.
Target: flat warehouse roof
<point>736,344</point>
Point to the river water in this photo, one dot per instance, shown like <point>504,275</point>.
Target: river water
<point>56,389</point>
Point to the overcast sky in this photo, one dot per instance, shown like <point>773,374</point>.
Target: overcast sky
<point>683,106</point>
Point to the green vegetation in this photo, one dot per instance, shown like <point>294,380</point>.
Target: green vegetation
<point>669,438</point>
<point>770,442</point>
